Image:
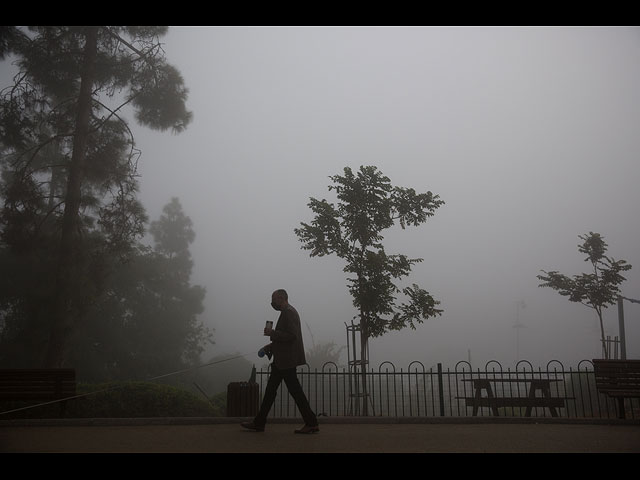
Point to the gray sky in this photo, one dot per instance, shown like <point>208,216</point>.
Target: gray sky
<point>530,136</point>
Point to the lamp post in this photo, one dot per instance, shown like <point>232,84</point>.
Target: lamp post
<point>519,304</point>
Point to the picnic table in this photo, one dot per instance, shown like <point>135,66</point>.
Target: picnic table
<point>531,400</point>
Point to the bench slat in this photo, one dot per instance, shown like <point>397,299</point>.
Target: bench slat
<point>618,385</point>
<point>36,396</point>
<point>37,384</point>
<point>46,374</point>
<point>618,379</point>
<point>617,375</point>
<point>623,393</point>
<point>514,401</point>
<point>32,389</point>
<point>47,388</point>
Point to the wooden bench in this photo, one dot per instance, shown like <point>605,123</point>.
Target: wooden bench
<point>530,401</point>
<point>38,385</point>
<point>618,379</point>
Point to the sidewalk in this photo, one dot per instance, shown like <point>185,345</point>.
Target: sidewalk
<point>338,434</point>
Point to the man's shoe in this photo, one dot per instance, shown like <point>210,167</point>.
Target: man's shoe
<point>252,426</point>
<point>308,429</point>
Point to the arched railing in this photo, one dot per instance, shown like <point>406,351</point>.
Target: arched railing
<point>418,391</point>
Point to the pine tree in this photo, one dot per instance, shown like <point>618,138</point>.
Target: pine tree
<point>146,321</point>
<point>69,158</point>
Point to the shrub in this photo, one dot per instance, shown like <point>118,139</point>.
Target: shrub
<point>124,400</point>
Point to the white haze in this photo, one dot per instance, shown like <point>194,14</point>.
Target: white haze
<point>530,136</point>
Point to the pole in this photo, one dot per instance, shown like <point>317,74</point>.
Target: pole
<point>623,346</point>
<point>365,362</point>
<point>440,390</point>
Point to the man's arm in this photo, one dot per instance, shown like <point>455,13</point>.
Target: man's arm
<point>285,331</point>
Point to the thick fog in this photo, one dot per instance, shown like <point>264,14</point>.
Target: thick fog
<point>530,135</point>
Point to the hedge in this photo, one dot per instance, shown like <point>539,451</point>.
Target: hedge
<point>124,400</point>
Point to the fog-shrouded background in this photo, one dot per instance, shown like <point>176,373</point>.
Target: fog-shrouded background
<point>530,135</point>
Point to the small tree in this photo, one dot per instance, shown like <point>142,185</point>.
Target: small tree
<point>352,230</point>
<point>596,290</point>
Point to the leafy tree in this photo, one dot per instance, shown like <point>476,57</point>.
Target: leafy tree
<point>367,205</point>
<point>173,232</point>
<point>595,290</point>
<point>69,158</point>
<point>146,321</point>
<point>322,353</point>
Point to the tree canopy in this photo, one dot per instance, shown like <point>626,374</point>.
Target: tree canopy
<point>146,320</point>
<point>69,178</point>
<point>143,321</point>
<point>367,205</point>
<point>597,289</point>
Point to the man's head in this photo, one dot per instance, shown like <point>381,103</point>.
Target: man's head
<point>279,299</point>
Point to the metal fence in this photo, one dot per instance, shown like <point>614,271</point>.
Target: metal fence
<point>420,392</point>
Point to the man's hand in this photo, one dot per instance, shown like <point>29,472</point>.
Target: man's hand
<point>267,351</point>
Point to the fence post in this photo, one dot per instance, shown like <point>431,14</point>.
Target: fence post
<point>440,390</point>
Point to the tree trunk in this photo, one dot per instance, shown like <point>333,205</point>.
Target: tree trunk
<point>70,262</point>
<point>604,343</point>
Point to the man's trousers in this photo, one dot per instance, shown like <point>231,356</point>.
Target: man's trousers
<point>295,390</point>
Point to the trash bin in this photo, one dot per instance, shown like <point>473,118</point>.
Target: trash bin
<point>243,399</point>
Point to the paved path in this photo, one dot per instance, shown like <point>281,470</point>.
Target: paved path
<point>337,435</point>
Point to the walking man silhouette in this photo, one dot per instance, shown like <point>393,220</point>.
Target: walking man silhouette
<point>287,349</point>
